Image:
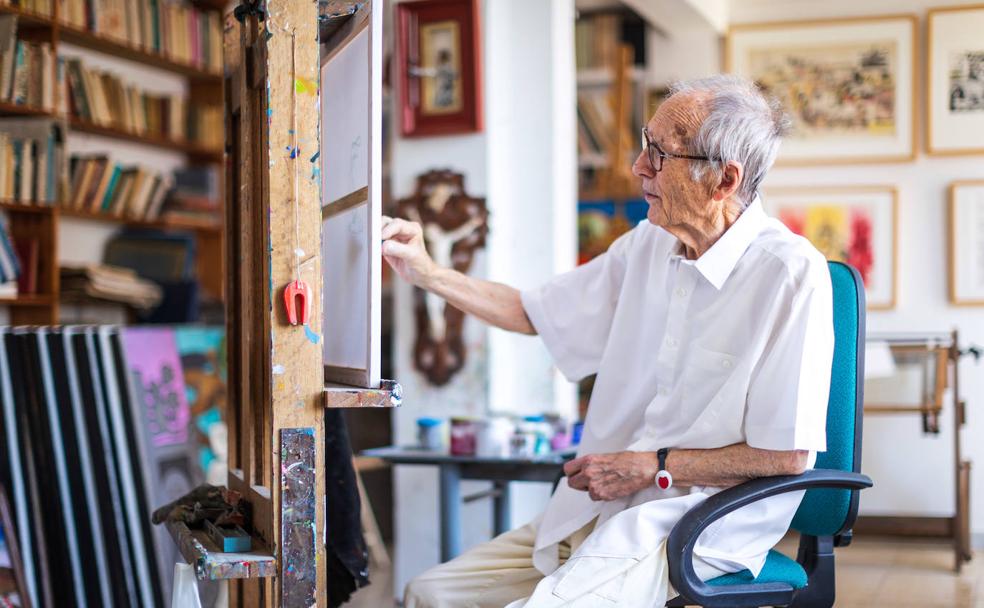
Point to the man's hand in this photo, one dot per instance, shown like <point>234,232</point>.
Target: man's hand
<point>612,476</point>
<point>404,250</point>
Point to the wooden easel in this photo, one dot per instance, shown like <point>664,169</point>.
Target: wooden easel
<point>276,371</point>
<point>941,354</point>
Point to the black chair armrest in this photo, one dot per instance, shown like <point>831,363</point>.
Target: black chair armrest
<point>680,544</point>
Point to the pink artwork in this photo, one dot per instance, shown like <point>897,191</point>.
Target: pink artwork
<point>155,366</point>
<point>841,233</point>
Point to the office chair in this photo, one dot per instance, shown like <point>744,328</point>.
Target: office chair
<point>830,505</point>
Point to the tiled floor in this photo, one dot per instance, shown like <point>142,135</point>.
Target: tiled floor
<point>870,573</point>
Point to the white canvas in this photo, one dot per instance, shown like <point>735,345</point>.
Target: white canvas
<point>351,159</point>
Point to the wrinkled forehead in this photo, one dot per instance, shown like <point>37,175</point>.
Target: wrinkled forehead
<point>677,119</point>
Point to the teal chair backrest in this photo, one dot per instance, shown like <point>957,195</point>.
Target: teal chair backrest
<point>828,512</point>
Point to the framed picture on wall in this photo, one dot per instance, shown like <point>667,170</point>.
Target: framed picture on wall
<point>848,85</point>
<point>955,87</point>
<point>438,59</point>
<point>966,238</point>
<point>856,225</point>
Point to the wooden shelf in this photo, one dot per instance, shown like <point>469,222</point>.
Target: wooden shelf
<point>138,223</point>
<point>13,109</point>
<point>130,52</point>
<point>26,208</point>
<point>25,17</point>
<point>27,300</point>
<point>195,151</point>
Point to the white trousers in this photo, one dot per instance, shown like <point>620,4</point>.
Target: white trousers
<point>500,573</point>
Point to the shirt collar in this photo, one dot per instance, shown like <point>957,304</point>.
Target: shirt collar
<point>720,260</point>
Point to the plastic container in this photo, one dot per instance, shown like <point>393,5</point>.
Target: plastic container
<point>430,434</point>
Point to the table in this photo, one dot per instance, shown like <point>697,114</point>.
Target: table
<point>452,469</point>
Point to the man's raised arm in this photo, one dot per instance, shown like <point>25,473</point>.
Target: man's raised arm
<point>494,303</point>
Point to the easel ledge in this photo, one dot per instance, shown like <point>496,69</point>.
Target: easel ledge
<point>389,394</point>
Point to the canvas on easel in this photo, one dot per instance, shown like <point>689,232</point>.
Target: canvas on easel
<point>351,193</point>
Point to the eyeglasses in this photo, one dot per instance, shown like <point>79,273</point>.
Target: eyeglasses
<point>656,154</point>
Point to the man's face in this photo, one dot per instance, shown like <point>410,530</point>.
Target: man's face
<point>674,198</point>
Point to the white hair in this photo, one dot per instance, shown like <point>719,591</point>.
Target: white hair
<point>741,125</point>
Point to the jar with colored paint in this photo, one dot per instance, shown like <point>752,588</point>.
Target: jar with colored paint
<point>463,437</point>
<point>430,434</point>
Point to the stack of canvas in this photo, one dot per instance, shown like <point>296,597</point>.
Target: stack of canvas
<point>72,458</point>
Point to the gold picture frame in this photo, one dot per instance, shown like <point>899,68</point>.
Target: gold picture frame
<point>958,227</point>
<point>874,248</point>
<point>880,128</point>
<point>957,48</point>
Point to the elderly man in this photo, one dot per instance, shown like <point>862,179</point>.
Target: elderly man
<point>710,328</point>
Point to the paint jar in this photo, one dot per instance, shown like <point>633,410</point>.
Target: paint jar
<point>492,437</point>
<point>463,437</point>
<point>430,434</point>
<point>523,444</point>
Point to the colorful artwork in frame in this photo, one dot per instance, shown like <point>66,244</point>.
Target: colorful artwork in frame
<point>202,353</point>
<point>847,85</point>
<point>955,80</point>
<point>438,58</point>
<point>852,225</point>
<point>152,357</point>
<point>599,223</point>
<point>966,236</point>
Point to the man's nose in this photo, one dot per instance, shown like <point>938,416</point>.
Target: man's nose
<point>641,167</point>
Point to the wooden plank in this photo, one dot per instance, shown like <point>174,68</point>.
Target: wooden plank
<point>294,370</point>
<point>389,394</point>
<point>211,564</point>
<point>349,201</point>
<point>917,527</point>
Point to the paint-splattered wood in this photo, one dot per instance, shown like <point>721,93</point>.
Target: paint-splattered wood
<point>211,564</point>
<point>298,504</point>
<point>291,194</point>
<point>389,394</point>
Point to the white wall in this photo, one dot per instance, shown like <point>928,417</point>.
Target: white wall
<point>896,453</point>
<point>524,164</point>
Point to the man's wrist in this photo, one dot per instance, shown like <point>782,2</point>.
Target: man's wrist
<point>431,279</point>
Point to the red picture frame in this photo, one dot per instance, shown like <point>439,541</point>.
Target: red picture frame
<point>439,63</point>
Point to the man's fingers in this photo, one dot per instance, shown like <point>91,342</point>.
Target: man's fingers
<point>397,249</point>
<point>399,228</point>
<point>571,467</point>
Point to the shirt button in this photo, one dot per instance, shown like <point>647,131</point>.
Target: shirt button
<point>664,391</point>
<point>681,292</point>
<point>671,342</point>
<point>726,363</point>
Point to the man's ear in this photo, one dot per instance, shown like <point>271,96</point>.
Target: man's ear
<point>731,179</point>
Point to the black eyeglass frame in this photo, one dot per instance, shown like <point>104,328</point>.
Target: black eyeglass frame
<point>653,151</point>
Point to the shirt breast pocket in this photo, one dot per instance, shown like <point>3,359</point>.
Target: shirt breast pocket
<point>706,376</point>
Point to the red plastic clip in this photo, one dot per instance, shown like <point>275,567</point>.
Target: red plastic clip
<point>297,288</point>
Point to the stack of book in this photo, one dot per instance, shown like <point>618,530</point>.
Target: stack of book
<point>10,268</point>
<point>195,197</point>
<point>180,31</point>
<point>31,160</point>
<point>40,7</point>
<point>26,69</point>
<point>103,99</point>
<point>100,185</point>
<point>111,283</point>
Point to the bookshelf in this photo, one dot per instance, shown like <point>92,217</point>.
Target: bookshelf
<point>41,221</point>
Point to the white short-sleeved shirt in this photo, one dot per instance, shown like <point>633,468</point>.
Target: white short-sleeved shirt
<point>734,347</point>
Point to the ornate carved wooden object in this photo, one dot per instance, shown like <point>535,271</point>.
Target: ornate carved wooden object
<point>455,225</point>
